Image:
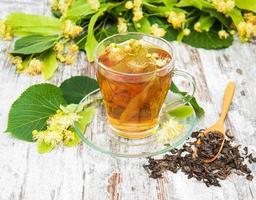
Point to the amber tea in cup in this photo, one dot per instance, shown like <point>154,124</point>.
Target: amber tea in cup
<point>134,75</point>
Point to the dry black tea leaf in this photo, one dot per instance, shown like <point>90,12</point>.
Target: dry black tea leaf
<point>230,160</point>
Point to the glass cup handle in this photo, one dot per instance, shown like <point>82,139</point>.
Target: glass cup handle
<point>186,96</point>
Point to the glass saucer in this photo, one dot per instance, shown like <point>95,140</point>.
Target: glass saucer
<point>99,136</point>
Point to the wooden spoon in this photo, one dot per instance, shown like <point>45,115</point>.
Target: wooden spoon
<point>219,125</point>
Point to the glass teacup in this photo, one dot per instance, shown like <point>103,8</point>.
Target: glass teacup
<point>134,95</point>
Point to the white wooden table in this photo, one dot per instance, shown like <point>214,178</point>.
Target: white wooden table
<point>80,173</point>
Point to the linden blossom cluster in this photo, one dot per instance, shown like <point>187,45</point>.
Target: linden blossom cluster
<point>58,128</point>
<point>169,131</point>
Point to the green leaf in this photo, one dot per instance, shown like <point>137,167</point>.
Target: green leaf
<point>221,17</point>
<point>236,16</point>
<point>75,88</point>
<point>78,10</point>
<point>42,147</point>
<point>200,4</point>
<point>171,33</point>
<point>246,5</point>
<point>182,112</point>
<point>33,44</point>
<point>207,40</point>
<point>50,64</point>
<point>206,22</point>
<point>87,116</point>
<point>193,102</point>
<point>27,24</point>
<point>106,32</point>
<point>86,119</point>
<point>91,41</point>
<point>32,109</point>
<point>145,25</point>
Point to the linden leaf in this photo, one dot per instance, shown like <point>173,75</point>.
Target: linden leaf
<point>42,147</point>
<point>50,64</point>
<point>33,44</point>
<point>75,88</point>
<point>27,24</point>
<point>182,112</point>
<point>86,117</point>
<point>207,40</point>
<point>32,109</point>
<point>246,5</point>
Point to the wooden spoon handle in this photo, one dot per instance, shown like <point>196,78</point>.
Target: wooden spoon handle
<point>227,99</point>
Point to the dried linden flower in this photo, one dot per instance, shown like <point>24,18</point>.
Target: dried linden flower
<point>122,25</point>
<point>224,6</point>
<point>128,5</point>
<point>157,31</point>
<point>170,131</point>
<point>176,19</point>
<point>223,34</point>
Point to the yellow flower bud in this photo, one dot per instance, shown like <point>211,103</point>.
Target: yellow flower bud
<point>69,59</point>
<point>197,27</point>
<point>73,48</point>
<point>223,34</point>
<point>186,31</point>
<point>58,47</point>
<point>95,4</point>
<point>176,19</point>
<point>128,5</point>
<point>137,3</point>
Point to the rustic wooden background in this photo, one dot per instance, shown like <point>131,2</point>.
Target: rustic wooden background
<point>81,173</point>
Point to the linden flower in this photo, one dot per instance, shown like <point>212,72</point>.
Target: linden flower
<point>95,4</point>
<point>137,14</point>
<point>35,67</point>
<point>224,6</point>
<point>73,48</point>
<point>157,31</point>
<point>250,17</point>
<point>137,3</point>
<point>38,135</point>
<point>197,27</point>
<point>246,30</point>
<point>128,5</point>
<point>176,19</point>
<point>62,120</point>
<point>68,136</point>
<point>223,34</point>
<point>186,31</point>
<point>63,6</point>
<point>122,25</point>
<point>58,47</point>
<point>69,59</point>
<point>16,60</point>
<point>70,30</point>
<point>55,5</point>
<point>53,137</point>
<point>5,31</point>
<point>170,131</point>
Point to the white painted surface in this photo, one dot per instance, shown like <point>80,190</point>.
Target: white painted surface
<point>81,173</point>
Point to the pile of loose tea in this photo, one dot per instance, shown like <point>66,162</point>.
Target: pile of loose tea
<point>232,159</point>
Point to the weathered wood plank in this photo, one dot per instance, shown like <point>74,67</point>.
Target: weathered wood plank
<point>81,173</point>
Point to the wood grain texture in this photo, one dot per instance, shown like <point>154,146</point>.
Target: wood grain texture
<point>81,173</point>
